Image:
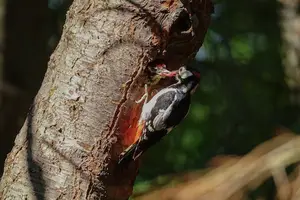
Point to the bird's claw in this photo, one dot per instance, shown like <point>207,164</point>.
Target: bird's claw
<point>145,96</point>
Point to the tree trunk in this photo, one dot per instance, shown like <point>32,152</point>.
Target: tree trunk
<point>290,27</point>
<point>69,144</point>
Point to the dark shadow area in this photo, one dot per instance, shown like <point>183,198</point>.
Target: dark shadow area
<point>241,100</point>
<point>26,53</point>
<point>31,33</point>
<point>34,169</point>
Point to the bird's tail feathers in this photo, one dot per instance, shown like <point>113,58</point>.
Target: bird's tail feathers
<point>128,154</point>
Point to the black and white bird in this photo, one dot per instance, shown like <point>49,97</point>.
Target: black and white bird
<point>163,112</point>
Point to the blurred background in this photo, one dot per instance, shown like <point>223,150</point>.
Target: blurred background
<point>250,85</point>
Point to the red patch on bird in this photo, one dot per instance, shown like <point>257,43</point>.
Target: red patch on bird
<point>130,126</point>
<point>161,66</point>
<point>197,74</point>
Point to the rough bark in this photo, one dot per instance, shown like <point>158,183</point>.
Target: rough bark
<point>69,144</point>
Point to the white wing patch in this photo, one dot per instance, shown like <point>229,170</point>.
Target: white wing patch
<point>146,110</point>
<point>158,122</point>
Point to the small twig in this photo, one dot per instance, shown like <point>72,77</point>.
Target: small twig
<point>282,183</point>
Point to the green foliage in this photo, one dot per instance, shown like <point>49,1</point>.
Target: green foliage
<point>242,97</point>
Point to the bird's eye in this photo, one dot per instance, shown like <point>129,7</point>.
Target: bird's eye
<point>181,69</point>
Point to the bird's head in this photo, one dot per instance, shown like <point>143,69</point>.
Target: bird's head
<point>184,74</point>
<point>181,74</point>
<point>190,78</point>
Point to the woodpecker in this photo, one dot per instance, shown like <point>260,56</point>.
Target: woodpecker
<point>163,112</point>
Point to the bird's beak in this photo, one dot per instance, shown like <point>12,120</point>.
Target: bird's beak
<point>167,73</point>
